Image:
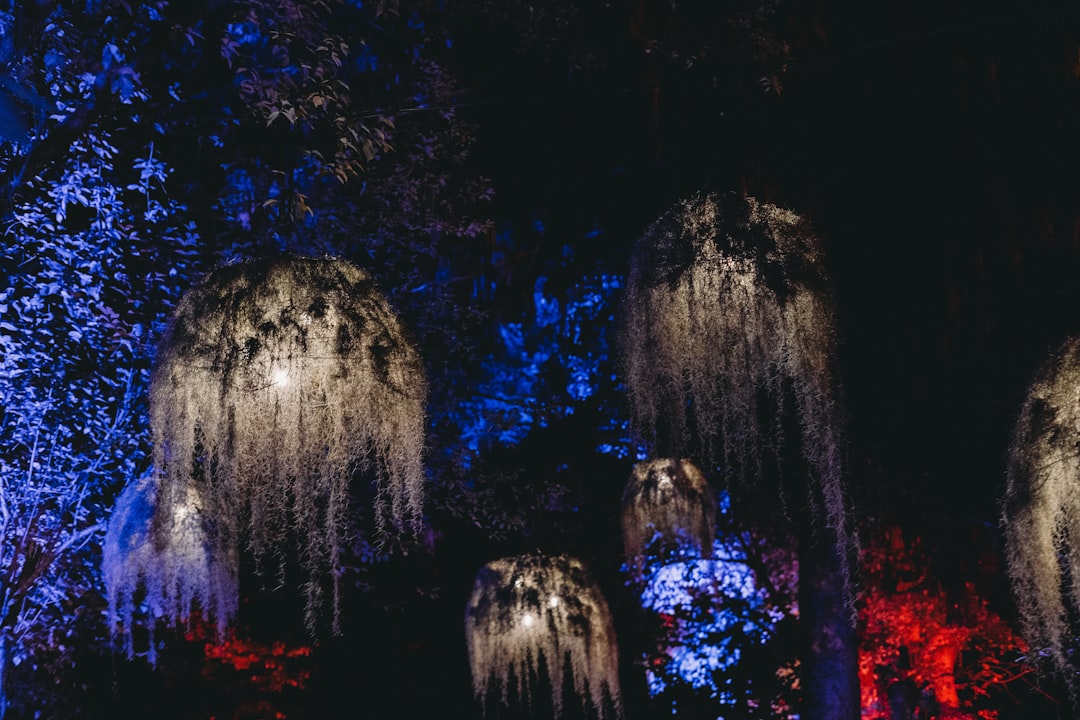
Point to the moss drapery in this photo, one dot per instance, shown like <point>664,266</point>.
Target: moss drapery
<point>275,383</point>
<point>1041,511</point>
<point>167,561</point>
<point>533,609</point>
<point>668,512</point>
<point>727,313</point>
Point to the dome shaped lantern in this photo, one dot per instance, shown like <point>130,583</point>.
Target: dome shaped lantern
<point>530,609</point>
<point>1041,513</point>
<point>668,511</point>
<point>275,383</point>
<point>165,562</point>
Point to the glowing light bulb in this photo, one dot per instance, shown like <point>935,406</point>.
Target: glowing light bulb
<point>527,620</point>
<point>280,377</point>
<point>554,601</point>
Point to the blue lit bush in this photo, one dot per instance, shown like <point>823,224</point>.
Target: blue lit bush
<point>721,628</point>
<point>88,269</point>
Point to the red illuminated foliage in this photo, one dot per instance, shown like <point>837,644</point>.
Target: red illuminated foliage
<point>267,664</point>
<point>259,671</point>
<point>923,651</point>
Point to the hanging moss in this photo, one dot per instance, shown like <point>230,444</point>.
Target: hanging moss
<point>727,314</point>
<point>275,384</point>
<point>668,511</point>
<point>535,609</point>
<point>164,563</point>
<point>1041,510</point>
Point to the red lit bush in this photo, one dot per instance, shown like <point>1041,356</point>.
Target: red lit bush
<point>924,652</point>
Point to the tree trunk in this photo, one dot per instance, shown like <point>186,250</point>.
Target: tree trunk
<point>829,657</point>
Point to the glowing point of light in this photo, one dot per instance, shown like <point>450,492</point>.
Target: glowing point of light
<point>527,620</point>
<point>281,377</point>
<point>554,601</point>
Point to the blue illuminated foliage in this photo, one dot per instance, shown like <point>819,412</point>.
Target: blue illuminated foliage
<point>95,251</point>
<point>92,260</point>
<point>547,366</point>
<point>719,628</point>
